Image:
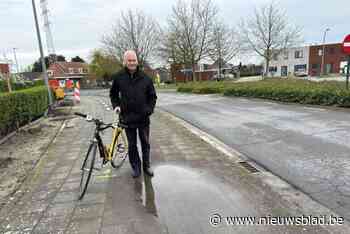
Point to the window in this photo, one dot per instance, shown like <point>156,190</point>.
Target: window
<point>272,69</point>
<point>298,54</point>
<point>320,52</point>
<point>300,67</point>
<point>71,70</point>
<point>80,70</point>
<point>285,55</point>
<point>85,70</point>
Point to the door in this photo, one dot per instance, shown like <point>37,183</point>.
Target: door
<point>284,70</point>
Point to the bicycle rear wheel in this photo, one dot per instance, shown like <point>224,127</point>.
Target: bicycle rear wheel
<point>120,151</point>
<point>86,169</point>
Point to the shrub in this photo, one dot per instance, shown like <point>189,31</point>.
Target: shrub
<point>286,90</point>
<point>21,107</point>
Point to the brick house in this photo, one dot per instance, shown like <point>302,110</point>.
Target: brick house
<point>333,57</point>
<point>64,71</point>
<point>203,72</point>
<point>4,68</point>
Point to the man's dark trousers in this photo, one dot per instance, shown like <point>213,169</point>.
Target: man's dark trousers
<point>134,158</point>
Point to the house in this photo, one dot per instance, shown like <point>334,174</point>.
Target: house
<point>4,68</point>
<point>333,58</point>
<point>178,73</point>
<point>307,60</point>
<point>292,61</point>
<point>210,72</point>
<point>68,71</point>
<point>203,71</point>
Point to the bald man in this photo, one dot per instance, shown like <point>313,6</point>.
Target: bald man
<point>133,95</point>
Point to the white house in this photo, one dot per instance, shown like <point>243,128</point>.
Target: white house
<point>292,61</point>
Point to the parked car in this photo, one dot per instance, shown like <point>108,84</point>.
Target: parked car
<point>300,73</point>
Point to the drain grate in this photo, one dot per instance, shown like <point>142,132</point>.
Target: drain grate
<point>249,167</point>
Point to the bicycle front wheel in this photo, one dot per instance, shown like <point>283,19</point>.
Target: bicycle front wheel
<point>120,151</point>
<point>86,169</point>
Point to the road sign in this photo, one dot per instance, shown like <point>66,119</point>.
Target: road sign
<point>346,45</point>
<point>346,49</point>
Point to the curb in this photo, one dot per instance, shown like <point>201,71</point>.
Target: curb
<point>295,199</point>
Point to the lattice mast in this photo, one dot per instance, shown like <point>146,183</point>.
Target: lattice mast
<point>48,33</point>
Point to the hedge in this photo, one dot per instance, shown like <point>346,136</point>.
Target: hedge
<point>20,85</point>
<point>285,90</point>
<point>21,107</point>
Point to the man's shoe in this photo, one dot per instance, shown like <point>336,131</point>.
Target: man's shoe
<point>148,171</point>
<point>135,174</point>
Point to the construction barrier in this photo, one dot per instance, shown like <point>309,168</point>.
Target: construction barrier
<point>76,93</point>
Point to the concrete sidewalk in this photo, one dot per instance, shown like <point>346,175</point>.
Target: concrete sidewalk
<point>192,182</point>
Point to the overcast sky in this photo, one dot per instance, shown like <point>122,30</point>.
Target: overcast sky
<point>78,25</point>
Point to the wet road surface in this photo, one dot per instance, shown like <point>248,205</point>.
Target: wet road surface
<point>307,146</point>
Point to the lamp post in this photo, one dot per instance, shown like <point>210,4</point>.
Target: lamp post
<point>14,52</point>
<point>42,54</point>
<point>323,50</point>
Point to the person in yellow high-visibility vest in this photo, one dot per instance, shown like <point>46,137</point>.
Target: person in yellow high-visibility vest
<point>59,93</point>
<point>158,80</point>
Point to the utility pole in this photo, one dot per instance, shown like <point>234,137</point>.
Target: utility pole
<point>14,52</point>
<point>323,51</point>
<point>42,54</point>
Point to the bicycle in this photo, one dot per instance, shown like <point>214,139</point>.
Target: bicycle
<point>115,153</point>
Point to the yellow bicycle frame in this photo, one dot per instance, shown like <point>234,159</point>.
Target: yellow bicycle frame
<point>110,148</point>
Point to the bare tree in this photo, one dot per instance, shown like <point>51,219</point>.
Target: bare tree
<point>224,44</point>
<point>133,30</point>
<point>189,31</point>
<point>268,31</point>
<point>168,50</point>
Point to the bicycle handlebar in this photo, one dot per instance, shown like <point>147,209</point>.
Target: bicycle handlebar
<point>80,114</point>
<point>99,122</point>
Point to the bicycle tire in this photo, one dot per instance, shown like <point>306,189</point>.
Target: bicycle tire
<point>120,151</point>
<point>86,169</point>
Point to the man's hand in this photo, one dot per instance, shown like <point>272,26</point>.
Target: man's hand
<point>117,110</point>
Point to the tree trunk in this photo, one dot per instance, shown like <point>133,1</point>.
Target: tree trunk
<point>267,67</point>
<point>193,72</point>
<point>219,70</point>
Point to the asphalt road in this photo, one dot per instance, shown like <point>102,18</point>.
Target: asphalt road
<point>196,189</point>
<point>308,146</point>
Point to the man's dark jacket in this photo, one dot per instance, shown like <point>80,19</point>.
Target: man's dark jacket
<point>135,95</point>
